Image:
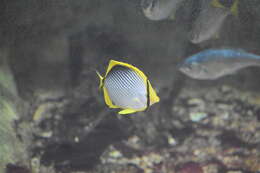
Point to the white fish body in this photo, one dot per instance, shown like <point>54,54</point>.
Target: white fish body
<point>130,93</point>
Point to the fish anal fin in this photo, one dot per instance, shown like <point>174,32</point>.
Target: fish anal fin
<point>108,100</point>
<point>234,8</point>
<point>217,4</point>
<point>127,111</point>
<point>153,96</point>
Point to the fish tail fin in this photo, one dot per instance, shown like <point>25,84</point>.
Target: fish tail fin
<point>101,80</point>
<point>234,8</point>
<point>217,4</point>
<point>153,96</point>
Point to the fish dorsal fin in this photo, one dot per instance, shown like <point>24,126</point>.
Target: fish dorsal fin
<point>217,4</point>
<point>127,111</point>
<point>108,100</point>
<point>113,63</point>
<point>101,80</point>
<point>234,8</point>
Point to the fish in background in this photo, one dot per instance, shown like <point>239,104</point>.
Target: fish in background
<point>160,9</point>
<point>210,20</point>
<point>126,87</point>
<point>214,63</point>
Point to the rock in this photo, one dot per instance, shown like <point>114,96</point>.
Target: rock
<point>12,150</point>
<point>197,116</point>
<point>190,167</point>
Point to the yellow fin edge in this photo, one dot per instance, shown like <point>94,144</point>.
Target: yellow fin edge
<point>234,8</point>
<point>100,80</point>
<point>153,96</point>
<point>127,111</point>
<point>217,4</point>
<point>106,96</point>
<point>108,100</point>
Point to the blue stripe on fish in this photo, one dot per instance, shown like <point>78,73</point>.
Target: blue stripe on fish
<point>219,53</point>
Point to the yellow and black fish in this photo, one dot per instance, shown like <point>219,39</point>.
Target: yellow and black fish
<point>127,87</point>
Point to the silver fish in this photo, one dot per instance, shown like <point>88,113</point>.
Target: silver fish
<point>214,63</point>
<point>210,20</point>
<point>160,9</point>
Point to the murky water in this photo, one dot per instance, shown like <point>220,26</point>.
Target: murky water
<point>54,118</point>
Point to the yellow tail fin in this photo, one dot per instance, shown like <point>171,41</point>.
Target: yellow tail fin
<point>217,4</point>
<point>234,8</point>
<point>101,83</point>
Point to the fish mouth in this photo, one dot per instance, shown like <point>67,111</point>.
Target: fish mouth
<point>181,67</point>
<point>184,67</point>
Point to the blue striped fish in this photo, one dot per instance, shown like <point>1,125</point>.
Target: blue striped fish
<point>212,64</point>
<point>127,87</point>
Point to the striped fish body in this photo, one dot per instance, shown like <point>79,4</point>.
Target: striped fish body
<point>126,89</point>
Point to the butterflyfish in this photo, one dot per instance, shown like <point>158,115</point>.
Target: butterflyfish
<point>126,87</point>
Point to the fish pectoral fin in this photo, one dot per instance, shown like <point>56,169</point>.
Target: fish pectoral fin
<point>137,100</point>
<point>127,111</point>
